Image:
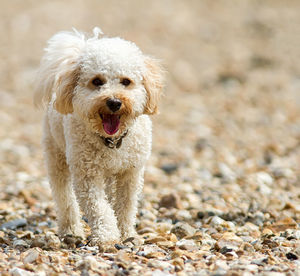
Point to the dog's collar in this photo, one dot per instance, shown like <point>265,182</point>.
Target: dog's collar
<point>113,143</point>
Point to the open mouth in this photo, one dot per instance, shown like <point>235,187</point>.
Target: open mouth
<point>111,123</point>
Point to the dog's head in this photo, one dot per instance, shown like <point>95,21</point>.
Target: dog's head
<point>106,82</point>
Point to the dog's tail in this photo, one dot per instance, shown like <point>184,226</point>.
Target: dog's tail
<point>60,60</point>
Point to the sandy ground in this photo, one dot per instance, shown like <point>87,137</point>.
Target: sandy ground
<point>226,149</point>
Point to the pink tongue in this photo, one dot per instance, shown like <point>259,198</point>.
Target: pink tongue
<point>110,123</point>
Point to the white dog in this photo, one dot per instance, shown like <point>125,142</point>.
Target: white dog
<point>97,132</point>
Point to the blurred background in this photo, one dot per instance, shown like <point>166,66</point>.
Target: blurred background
<point>229,128</point>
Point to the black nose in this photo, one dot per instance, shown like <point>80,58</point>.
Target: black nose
<point>114,104</point>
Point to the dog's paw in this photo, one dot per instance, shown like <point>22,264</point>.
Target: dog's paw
<point>69,231</point>
<point>129,232</point>
<point>103,246</point>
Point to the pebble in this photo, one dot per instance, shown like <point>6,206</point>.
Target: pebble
<point>161,265</point>
<point>183,215</point>
<point>52,241</point>
<point>261,261</point>
<point>20,244</point>
<point>155,240</point>
<point>169,168</point>
<point>221,264</point>
<point>182,229</point>
<point>226,173</point>
<point>163,227</point>
<point>291,256</point>
<point>189,245</point>
<point>13,224</point>
<point>91,262</point>
<point>31,256</point>
<point>283,224</point>
<point>170,201</point>
<point>38,242</point>
<point>20,272</point>
<point>216,221</point>
<point>158,272</point>
<point>229,240</point>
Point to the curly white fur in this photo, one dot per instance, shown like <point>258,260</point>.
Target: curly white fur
<point>84,173</point>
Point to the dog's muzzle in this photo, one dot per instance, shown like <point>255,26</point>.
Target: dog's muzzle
<point>114,104</point>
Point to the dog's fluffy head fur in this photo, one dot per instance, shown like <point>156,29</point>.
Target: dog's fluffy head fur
<point>85,73</point>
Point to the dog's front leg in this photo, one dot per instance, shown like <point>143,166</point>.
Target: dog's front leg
<point>128,188</point>
<point>101,218</point>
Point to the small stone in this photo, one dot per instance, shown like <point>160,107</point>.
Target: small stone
<point>182,229</point>
<point>257,218</point>
<point>169,168</point>
<point>273,273</point>
<point>151,251</point>
<point>120,246</point>
<point>183,215</point>
<point>166,244</point>
<point>225,250</point>
<point>31,256</point>
<point>4,241</point>
<point>221,264</point>
<point>146,214</point>
<point>200,215</point>
<point>145,230</point>
<point>38,242</point>
<point>160,264</point>
<point>264,178</point>
<point>198,236</point>
<point>123,256</point>
<point>231,255</point>
<point>52,241</point>
<point>267,232</point>
<point>261,261</point>
<point>20,272</point>
<point>92,262</point>
<point>251,227</point>
<point>135,241</point>
<point>229,240</point>
<point>171,237</point>
<point>226,173</point>
<point>284,224</point>
<point>163,227</point>
<point>155,240</point>
<point>251,268</point>
<point>177,253</point>
<point>20,243</point>
<point>14,224</point>
<point>291,256</point>
<point>178,263</point>
<point>189,245</point>
<point>43,224</point>
<point>170,201</point>
<point>216,221</point>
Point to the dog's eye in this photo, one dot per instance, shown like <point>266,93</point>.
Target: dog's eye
<point>97,82</point>
<point>126,81</point>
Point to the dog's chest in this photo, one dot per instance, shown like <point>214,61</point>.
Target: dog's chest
<point>132,153</point>
<point>89,152</point>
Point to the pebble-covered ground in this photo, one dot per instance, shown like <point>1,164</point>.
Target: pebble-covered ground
<point>222,188</point>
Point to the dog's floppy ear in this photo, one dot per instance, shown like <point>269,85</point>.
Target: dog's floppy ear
<point>64,87</point>
<point>59,71</point>
<point>153,81</point>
